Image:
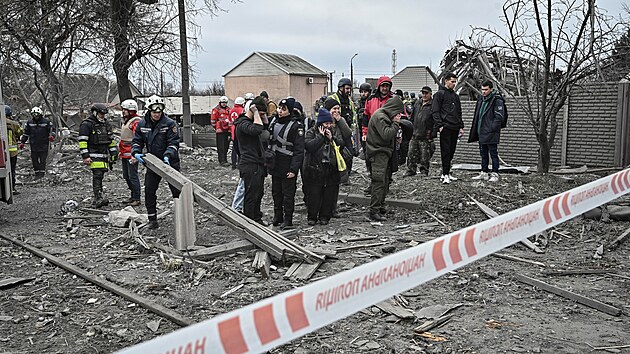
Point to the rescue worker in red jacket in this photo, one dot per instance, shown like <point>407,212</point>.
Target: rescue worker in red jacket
<point>128,130</point>
<point>235,112</point>
<point>220,120</point>
<point>376,101</point>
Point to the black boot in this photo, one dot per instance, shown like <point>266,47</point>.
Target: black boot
<point>153,224</point>
<point>287,224</point>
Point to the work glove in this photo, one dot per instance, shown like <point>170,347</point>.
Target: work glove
<point>21,146</point>
<point>139,158</point>
<point>166,160</point>
<point>51,138</point>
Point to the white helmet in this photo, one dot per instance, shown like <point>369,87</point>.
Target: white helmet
<point>36,111</point>
<point>129,105</point>
<point>249,96</point>
<point>239,101</point>
<point>155,103</point>
<point>224,99</point>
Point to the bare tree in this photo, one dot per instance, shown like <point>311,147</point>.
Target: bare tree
<point>46,41</point>
<point>556,45</point>
<point>146,32</point>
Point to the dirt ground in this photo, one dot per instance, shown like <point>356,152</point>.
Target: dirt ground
<point>60,313</point>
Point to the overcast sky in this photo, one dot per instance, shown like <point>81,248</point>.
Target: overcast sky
<point>327,33</point>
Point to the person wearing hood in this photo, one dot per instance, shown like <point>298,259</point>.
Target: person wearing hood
<point>447,119</point>
<point>252,136</point>
<point>380,142</point>
<point>40,132</point>
<point>488,119</point>
<point>159,135</point>
<point>287,141</point>
<point>321,175</point>
<point>98,149</point>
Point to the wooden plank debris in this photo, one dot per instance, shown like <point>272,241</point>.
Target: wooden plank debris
<point>619,240</point>
<point>576,272</point>
<point>11,282</point>
<point>231,291</point>
<point>354,247</point>
<point>185,230</point>
<point>302,270</point>
<point>518,259</point>
<point>492,214</point>
<point>429,325</point>
<point>269,240</point>
<point>435,218</point>
<point>393,308</point>
<point>611,310</point>
<point>222,250</point>
<point>363,200</point>
<point>107,285</point>
<point>262,262</point>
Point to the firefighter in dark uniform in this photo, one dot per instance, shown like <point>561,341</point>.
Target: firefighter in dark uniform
<point>159,135</point>
<point>98,149</point>
<point>40,132</point>
<point>287,141</point>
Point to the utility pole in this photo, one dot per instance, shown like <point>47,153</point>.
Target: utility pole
<point>352,72</point>
<point>187,131</point>
<point>393,62</point>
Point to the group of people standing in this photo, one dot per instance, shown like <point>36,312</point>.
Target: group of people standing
<point>279,140</point>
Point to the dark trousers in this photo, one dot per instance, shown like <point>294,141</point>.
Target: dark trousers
<point>130,174</point>
<point>97,182</point>
<point>420,153</point>
<point>403,153</point>
<point>492,149</point>
<point>321,201</point>
<point>448,144</point>
<point>39,162</point>
<point>283,193</point>
<point>13,166</point>
<point>236,153</point>
<point>254,178</point>
<point>380,177</point>
<point>223,142</point>
<point>151,184</point>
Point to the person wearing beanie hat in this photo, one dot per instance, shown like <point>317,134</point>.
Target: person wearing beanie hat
<point>321,176</point>
<point>380,143</point>
<point>252,136</point>
<point>287,141</point>
<point>323,116</point>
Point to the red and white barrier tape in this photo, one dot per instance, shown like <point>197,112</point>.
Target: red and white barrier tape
<point>277,320</point>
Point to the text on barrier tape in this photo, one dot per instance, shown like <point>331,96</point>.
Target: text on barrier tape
<point>277,320</point>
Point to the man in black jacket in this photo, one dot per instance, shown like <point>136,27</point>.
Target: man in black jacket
<point>447,117</point>
<point>39,131</point>
<point>252,134</point>
<point>486,128</point>
<point>160,136</point>
<point>287,141</point>
<point>421,146</point>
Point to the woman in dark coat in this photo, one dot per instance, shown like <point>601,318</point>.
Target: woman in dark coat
<point>320,172</point>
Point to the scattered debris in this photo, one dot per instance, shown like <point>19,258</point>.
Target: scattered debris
<point>11,282</point>
<point>518,259</point>
<point>231,291</point>
<point>611,310</point>
<point>154,325</point>
<point>302,270</point>
<point>121,218</point>
<point>392,307</point>
<point>618,241</point>
<point>261,263</point>
<point>436,311</point>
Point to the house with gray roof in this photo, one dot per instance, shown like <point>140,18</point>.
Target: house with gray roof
<point>281,75</point>
<point>413,78</point>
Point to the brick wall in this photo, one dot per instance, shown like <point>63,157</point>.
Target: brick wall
<point>591,131</point>
<point>592,125</point>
